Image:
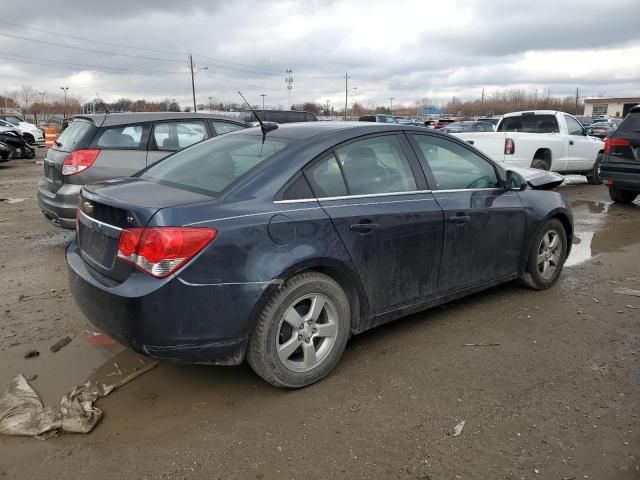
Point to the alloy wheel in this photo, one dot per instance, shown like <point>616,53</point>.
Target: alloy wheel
<point>307,332</point>
<point>549,254</point>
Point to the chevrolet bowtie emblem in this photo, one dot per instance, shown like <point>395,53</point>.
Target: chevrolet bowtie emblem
<point>87,207</point>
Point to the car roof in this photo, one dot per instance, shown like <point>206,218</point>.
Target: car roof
<point>532,112</point>
<point>306,130</point>
<point>109,119</point>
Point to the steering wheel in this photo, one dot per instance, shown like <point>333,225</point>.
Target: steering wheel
<point>485,178</point>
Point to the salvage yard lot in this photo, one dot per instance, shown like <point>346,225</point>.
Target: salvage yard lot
<point>553,394</point>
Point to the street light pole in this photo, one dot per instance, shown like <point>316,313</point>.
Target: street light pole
<point>328,107</point>
<point>210,107</point>
<point>65,89</point>
<point>391,107</point>
<point>263,95</point>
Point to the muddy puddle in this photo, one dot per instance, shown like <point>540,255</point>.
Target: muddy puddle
<point>602,227</point>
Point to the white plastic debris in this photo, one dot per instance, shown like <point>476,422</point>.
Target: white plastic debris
<point>23,413</point>
<point>12,200</point>
<point>627,291</point>
<point>457,430</point>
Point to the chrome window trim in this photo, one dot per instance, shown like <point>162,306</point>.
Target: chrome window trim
<point>346,197</point>
<point>102,224</point>
<point>453,190</point>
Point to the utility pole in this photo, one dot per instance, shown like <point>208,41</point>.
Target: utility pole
<point>482,102</point>
<point>346,94</point>
<point>327,110</point>
<point>193,83</point>
<point>263,95</point>
<point>577,98</point>
<point>535,100</point>
<point>210,106</point>
<point>391,107</point>
<point>35,114</point>
<point>65,89</point>
<point>289,81</point>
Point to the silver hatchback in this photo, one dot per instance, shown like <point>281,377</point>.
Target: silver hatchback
<point>104,146</point>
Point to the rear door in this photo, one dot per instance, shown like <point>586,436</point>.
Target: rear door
<point>391,225</point>
<point>170,136</point>
<point>123,151</point>
<point>483,223</point>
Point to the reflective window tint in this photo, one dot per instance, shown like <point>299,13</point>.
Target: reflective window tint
<point>376,165</point>
<point>455,167</point>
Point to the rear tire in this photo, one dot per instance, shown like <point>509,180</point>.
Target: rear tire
<point>593,176</point>
<point>301,333</point>
<point>546,257</point>
<point>540,164</point>
<point>622,196</point>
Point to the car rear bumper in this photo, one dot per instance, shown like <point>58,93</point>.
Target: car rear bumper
<point>623,176</point>
<point>168,319</point>
<point>59,207</point>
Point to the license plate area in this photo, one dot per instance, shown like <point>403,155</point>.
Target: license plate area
<point>98,242</point>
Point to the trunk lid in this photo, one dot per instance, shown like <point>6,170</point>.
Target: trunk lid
<point>107,208</point>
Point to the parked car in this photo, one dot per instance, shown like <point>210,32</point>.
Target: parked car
<point>620,167</point>
<point>5,152</point>
<point>31,133</point>
<point>378,119</point>
<point>492,120</point>
<point>543,139</point>
<point>468,126</point>
<point>585,121</point>
<point>16,145</point>
<point>277,247</point>
<point>278,116</point>
<point>603,128</point>
<point>102,146</point>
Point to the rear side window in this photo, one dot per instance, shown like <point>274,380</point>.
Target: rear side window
<point>225,127</point>
<point>173,136</point>
<point>375,165</point>
<point>530,123</point>
<point>326,178</point>
<point>78,135</point>
<point>210,167</point>
<point>126,136</point>
<point>631,123</point>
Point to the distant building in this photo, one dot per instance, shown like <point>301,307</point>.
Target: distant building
<point>609,107</point>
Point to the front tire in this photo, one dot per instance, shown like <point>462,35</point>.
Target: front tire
<point>622,196</point>
<point>546,257</point>
<point>29,138</point>
<point>593,176</point>
<point>301,333</point>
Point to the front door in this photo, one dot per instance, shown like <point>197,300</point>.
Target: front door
<point>581,151</point>
<point>390,226</point>
<point>483,223</point>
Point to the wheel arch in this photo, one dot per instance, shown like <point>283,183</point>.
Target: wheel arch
<point>568,227</point>
<point>543,154</point>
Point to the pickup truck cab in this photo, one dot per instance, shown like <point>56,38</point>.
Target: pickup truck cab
<point>543,139</point>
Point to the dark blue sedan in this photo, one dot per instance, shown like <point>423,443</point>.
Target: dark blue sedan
<point>277,247</point>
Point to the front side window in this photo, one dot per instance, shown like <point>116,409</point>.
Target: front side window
<point>210,167</point>
<point>573,126</point>
<point>376,165</point>
<point>124,136</point>
<point>225,127</point>
<point>454,166</point>
<point>172,136</point>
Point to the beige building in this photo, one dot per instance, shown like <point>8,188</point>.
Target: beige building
<point>609,107</point>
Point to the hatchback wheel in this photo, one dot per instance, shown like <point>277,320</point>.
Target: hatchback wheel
<point>622,196</point>
<point>301,332</point>
<point>546,257</point>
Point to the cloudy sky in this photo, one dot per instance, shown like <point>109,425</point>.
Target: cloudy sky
<point>404,49</point>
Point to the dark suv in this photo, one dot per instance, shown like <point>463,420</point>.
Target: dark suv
<point>279,116</point>
<point>103,146</point>
<point>620,166</point>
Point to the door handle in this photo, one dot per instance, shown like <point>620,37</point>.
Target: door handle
<point>460,219</point>
<point>470,142</point>
<point>570,142</point>
<point>364,227</point>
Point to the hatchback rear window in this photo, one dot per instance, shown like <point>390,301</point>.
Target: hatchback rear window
<point>211,166</point>
<point>530,123</point>
<point>77,135</point>
<point>631,124</point>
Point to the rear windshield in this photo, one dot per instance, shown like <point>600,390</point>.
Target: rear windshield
<point>211,166</point>
<point>529,123</point>
<point>77,135</point>
<point>631,123</point>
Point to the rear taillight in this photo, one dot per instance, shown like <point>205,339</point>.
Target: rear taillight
<point>78,161</point>
<point>609,143</point>
<point>509,146</point>
<point>160,251</point>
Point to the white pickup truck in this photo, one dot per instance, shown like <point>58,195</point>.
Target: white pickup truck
<point>543,139</point>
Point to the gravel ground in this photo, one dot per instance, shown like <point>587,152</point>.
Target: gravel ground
<point>557,398</point>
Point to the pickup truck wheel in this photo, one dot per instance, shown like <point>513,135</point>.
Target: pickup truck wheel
<point>593,176</point>
<point>622,196</point>
<point>546,257</point>
<point>302,331</point>
<point>540,164</point>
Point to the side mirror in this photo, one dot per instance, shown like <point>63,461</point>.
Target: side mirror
<point>515,182</point>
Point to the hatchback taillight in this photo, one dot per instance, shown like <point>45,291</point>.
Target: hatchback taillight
<point>78,161</point>
<point>609,143</point>
<point>160,251</point>
<point>509,146</point>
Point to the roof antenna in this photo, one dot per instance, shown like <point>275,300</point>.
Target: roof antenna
<point>265,128</point>
<point>106,110</point>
